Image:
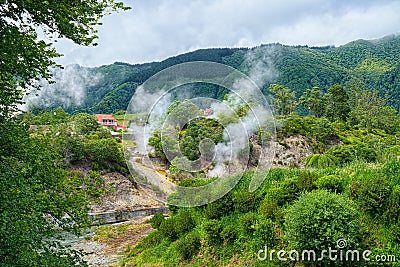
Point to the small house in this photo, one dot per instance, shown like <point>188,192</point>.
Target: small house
<point>108,121</point>
<point>208,112</point>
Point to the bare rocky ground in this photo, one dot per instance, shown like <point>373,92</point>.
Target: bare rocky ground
<point>102,245</point>
<point>291,151</point>
<point>122,194</point>
<point>104,248</point>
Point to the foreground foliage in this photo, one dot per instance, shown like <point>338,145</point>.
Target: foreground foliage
<point>349,191</point>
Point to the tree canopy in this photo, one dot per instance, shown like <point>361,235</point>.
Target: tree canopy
<point>24,56</point>
<point>36,195</point>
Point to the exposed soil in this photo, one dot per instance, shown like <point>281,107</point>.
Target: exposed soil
<point>104,248</point>
<point>122,194</point>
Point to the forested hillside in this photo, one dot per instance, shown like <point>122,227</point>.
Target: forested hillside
<point>375,63</point>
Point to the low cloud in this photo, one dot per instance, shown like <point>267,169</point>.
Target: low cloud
<point>68,90</point>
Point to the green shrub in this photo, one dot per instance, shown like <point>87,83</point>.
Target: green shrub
<point>212,211</point>
<point>263,136</point>
<point>392,171</point>
<point>287,191</point>
<point>305,181</point>
<point>268,206</point>
<point>74,149</point>
<point>104,150</point>
<point>212,229</point>
<point>321,161</point>
<point>248,222</point>
<point>320,218</point>
<point>229,234</point>
<point>84,123</point>
<point>393,210</point>
<point>348,153</point>
<point>153,239</point>
<point>219,208</point>
<point>264,231</point>
<point>189,245</point>
<point>243,201</point>
<point>156,220</point>
<point>331,183</point>
<point>92,184</point>
<point>120,169</point>
<point>372,194</point>
<point>184,222</point>
<point>168,229</point>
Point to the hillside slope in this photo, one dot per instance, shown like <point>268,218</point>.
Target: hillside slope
<point>374,62</point>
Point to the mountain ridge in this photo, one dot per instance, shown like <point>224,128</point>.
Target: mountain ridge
<point>373,62</point>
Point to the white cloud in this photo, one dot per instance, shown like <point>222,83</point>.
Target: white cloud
<point>154,30</point>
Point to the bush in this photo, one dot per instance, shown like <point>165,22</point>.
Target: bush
<point>156,220</point>
<point>320,218</point>
<point>189,245</point>
<point>103,150</point>
<point>321,161</point>
<point>74,149</point>
<point>152,240</point>
<point>212,229</point>
<point>393,210</point>
<point>84,123</point>
<point>243,201</point>
<point>286,192</point>
<point>372,194</point>
<point>392,170</point>
<point>168,229</point>
<point>305,181</point>
<point>248,222</point>
<point>93,184</point>
<point>268,206</point>
<point>219,208</point>
<point>184,222</point>
<point>331,183</point>
<point>349,153</point>
<point>212,211</point>
<point>264,231</point>
<point>118,168</point>
<point>229,234</point>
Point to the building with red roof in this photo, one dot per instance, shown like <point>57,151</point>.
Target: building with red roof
<point>108,121</point>
<point>208,112</point>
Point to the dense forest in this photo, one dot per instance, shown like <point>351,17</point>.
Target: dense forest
<point>374,63</point>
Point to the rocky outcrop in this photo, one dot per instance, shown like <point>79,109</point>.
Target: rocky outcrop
<point>123,215</point>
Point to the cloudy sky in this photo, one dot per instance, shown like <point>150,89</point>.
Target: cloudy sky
<point>156,29</point>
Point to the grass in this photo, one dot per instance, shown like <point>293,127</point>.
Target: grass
<point>105,234</point>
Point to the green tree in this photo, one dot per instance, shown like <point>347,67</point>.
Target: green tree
<point>282,99</point>
<point>337,103</point>
<point>25,58</point>
<point>318,219</point>
<point>313,100</point>
<point>35,200</point>
<point>179,112</point>
<point>370,112</point>
<point>355,87</point>
<point>84,123</point>
<point>60,115</point>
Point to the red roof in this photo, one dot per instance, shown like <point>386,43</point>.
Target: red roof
<point>104,120</point>
<point>101,117</point>
<point>208,111</point>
